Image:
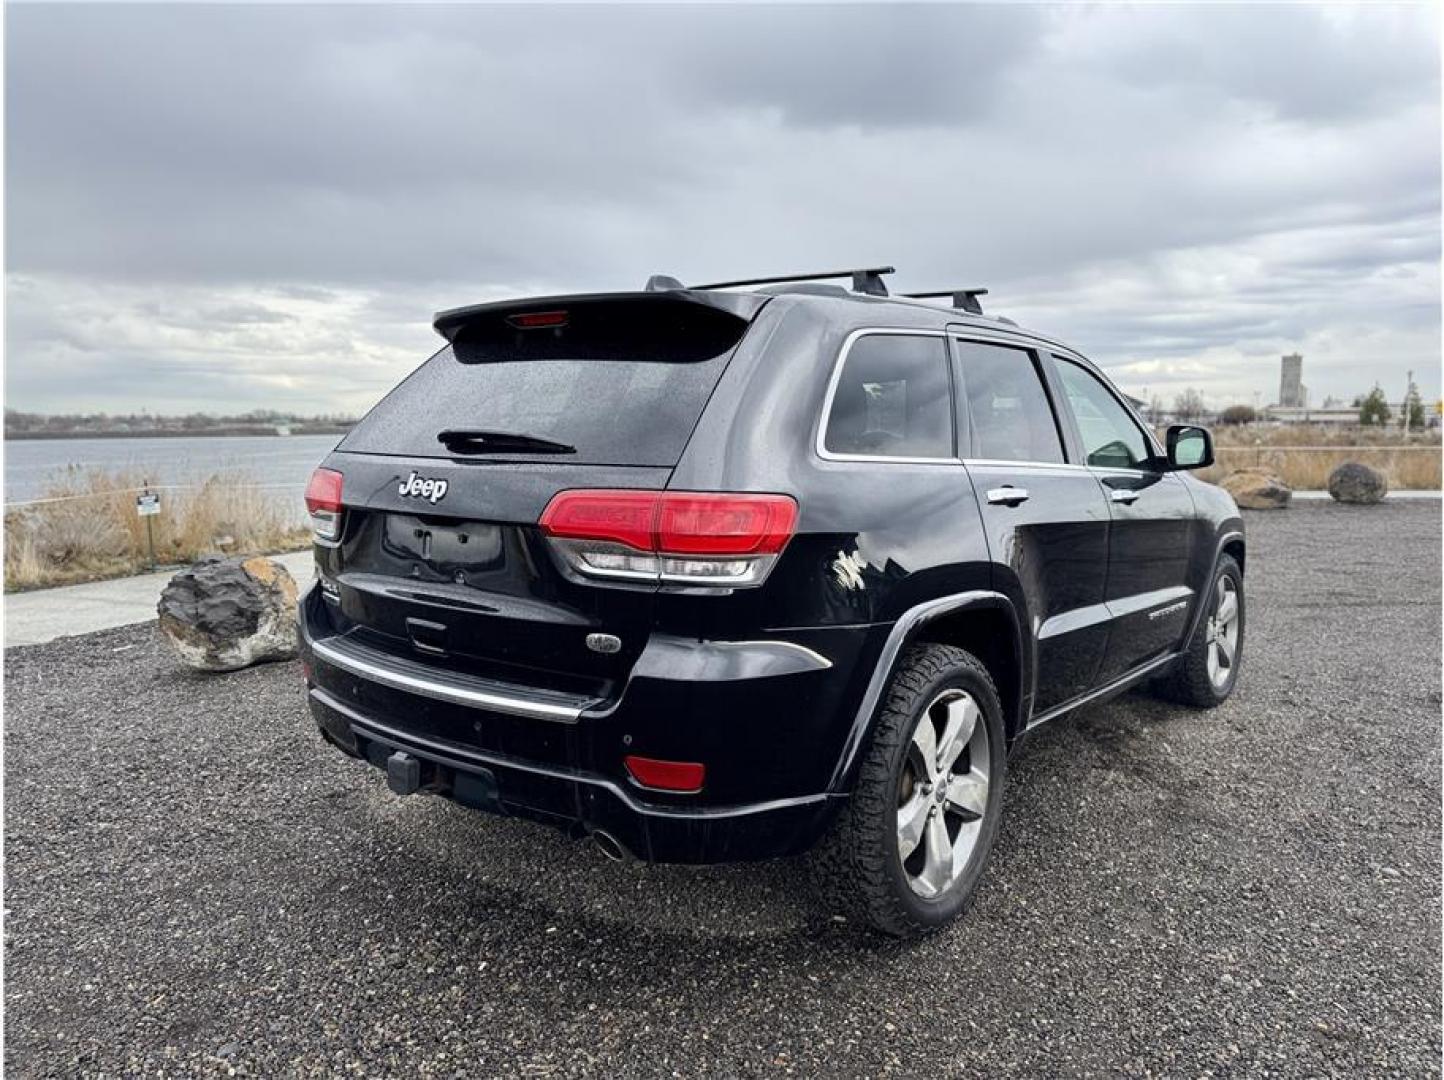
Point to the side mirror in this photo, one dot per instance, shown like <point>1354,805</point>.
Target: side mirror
<point>1189,447</point>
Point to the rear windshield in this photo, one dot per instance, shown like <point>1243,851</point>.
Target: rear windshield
<point>622,382</point>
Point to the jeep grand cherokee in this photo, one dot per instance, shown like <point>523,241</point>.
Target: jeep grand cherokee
<point>741,570</point>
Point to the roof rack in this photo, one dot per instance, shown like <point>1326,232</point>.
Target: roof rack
<point>867,281</point>
<point>963,299</point>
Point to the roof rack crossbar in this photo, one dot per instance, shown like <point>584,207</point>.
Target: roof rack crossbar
<point>963,299</point>
<point>867,281</point>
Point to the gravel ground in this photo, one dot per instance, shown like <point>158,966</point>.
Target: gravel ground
<point>196,884</point>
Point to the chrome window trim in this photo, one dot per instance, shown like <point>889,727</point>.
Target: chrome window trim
<point>993,337</point>
<point>1116,470</point>
<point>1028,339</point>
<point>819,445</point>
<point>1014,341</point>
<point>1008,463</point>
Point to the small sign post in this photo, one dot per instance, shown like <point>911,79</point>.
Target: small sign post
<point>147,505</point>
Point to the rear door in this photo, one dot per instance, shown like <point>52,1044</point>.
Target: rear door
<point>1152,512</point>
<point>1045,517</point>
<point>441,558</point>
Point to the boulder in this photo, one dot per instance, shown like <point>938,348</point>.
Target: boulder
<point>1355,483</point>
<point>225,614</point>
<point>1257,489</point>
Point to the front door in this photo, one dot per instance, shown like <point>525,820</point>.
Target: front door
<point>1046,519</point>
<point>1148,595</point>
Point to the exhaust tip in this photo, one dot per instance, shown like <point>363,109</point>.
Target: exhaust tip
<point>610,846</point>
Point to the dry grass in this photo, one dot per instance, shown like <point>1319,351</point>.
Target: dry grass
<point>1303,455</point>
<point>1412,468</point>
<point>94,531</point>
<point>1265,434</point>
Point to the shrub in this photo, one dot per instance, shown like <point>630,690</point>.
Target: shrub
<point>1238,414</point>
<point>89,527</point>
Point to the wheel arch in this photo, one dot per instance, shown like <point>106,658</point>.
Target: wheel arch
<point>1230,543</point>
<point>1234,546</point>
<point>982,622</point>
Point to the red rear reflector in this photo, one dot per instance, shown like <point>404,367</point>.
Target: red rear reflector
<point>324,491</point>
<point>681,776</point>
<point>537,320</point>
<point>677,522</point>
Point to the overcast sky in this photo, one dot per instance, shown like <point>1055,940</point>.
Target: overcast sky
<point>223,208</point>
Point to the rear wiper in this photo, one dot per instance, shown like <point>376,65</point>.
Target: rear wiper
<point>500,442</point>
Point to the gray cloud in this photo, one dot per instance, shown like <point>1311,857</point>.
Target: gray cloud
<point>261,205</point>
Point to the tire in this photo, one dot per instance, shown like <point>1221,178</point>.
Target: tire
<point>858,867</point>
<point>1202,678</point>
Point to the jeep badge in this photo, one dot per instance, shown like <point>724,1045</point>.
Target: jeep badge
<point>416,487</point>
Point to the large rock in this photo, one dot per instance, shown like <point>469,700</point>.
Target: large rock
<point>1258,489</point>
<point>225,614</point>
<point>1355,483</point>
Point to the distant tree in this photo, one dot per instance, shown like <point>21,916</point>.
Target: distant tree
<point>1238,414</point>
<point>1413,409</point>
<point>1189,405</point>
<point>1373,408</point>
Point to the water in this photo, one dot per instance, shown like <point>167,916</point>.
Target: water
<point>279,463</point>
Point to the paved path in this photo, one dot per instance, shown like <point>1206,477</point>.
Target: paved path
<point>1394,496</point>
<point>33,618</point>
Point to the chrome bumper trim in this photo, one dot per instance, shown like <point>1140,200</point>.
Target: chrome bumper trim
<point>452,692</point>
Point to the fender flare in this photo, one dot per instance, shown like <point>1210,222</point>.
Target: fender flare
<point>902,632</point>
<point>1222,541</point>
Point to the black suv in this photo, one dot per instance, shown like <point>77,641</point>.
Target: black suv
<point>723,573</point>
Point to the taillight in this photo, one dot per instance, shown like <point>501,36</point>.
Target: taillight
<point>675,537</point>
<point>323,503</point>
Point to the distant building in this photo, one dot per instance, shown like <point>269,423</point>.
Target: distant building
<point>1343,415</point>
<point>1293,394</point>
<point>1340,415</point>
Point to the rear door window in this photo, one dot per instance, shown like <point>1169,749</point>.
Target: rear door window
<point>1009,415</point>
<point>623,383</point>
<point>892,398</point>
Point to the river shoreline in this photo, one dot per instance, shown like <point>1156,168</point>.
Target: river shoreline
<point>238,431</point>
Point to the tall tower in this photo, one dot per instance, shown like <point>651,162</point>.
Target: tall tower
<point>1291,388</point>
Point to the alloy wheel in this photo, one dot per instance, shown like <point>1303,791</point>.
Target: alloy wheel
<point>943,793</point>
<point>1222,633</point>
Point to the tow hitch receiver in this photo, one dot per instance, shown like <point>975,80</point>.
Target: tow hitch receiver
<point>403,773</point>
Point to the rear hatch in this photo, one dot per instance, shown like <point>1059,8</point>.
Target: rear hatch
<point>440,559</point>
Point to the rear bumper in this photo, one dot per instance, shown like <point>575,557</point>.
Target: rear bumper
<point>580,803</point>
<point>769,720</point>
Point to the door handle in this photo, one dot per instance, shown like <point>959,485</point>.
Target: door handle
<point>1124,495</point>
<point>1007,495</point>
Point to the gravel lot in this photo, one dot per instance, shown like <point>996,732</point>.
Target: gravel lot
<point>196,884</point>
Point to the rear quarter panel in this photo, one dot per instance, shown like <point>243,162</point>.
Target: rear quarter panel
<point>874,539</point>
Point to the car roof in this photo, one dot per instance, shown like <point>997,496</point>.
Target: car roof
<point>832,302</point>
<point>861,309</point>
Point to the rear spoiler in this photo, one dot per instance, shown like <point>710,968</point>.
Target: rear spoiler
<point>744,306</point>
